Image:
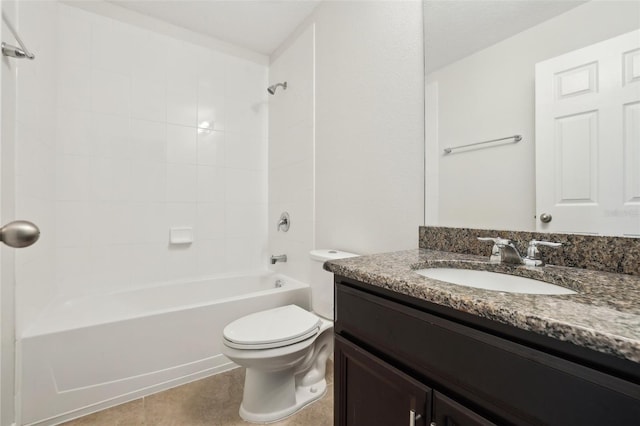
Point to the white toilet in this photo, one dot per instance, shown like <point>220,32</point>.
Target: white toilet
<point>285,350</point>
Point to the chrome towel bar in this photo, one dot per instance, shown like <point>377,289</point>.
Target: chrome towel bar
<point>516,138</point>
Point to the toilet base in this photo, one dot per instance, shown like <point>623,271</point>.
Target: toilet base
<point>304,396</point>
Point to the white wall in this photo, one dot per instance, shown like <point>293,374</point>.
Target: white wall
<point>490,94</point>
<point>352,179</point>
<point>132,161</point>
<point>291,155</point>
<point>35,169</point>
<point>113,156</point>
<point>28,173</point>
<point>7,210</point>
<point>369,125</point>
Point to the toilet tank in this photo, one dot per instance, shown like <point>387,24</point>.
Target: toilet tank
<point>322,281</point>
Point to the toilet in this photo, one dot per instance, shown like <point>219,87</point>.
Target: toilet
<point>285,350</point>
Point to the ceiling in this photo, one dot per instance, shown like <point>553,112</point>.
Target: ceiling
<point>454,28</point>
<point>457,28</point>
<point>258,25</point>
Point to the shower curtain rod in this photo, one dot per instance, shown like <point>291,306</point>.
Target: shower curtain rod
<point>13,51</point>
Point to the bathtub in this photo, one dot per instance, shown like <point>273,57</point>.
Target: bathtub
<point>89,353</point>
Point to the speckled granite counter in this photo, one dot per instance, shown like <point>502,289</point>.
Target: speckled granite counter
<point>603,316</point>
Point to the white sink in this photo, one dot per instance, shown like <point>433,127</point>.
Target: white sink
<point>493,281</point>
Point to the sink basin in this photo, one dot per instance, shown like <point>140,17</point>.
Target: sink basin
<point>493,281</point>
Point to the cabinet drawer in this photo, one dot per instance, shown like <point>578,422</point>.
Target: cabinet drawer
<point>519,384</point>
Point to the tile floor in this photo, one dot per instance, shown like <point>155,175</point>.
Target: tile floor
<point>213,401</point>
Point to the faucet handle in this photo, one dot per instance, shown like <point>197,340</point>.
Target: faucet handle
<point>495,250</point>
<point>497,241</point>
<point>535,243</point>
<point>533,254</point>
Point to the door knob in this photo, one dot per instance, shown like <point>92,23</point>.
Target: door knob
<point>545,218</point>
<point>19,233</point>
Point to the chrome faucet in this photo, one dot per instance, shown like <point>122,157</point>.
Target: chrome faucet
<point>504,251</point>
<point>278,258</point>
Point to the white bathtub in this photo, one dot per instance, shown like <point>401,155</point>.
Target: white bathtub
<point>93,352</point>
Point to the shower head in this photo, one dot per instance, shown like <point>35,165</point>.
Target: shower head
<point>272,89</point>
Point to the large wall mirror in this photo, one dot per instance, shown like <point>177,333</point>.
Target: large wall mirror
<point>564,76</point>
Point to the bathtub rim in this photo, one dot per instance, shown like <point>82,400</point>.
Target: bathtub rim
<point>34,331</point>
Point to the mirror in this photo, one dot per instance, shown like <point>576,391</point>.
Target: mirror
<point>480,64</point>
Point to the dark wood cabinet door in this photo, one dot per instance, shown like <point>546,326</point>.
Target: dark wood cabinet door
<point>447,412</point>
<point>370,392</point>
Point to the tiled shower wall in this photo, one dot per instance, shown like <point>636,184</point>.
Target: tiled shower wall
<point>291,155</point>
<point>34,158</point>
<point>155,133</point>
<point>151,132</point>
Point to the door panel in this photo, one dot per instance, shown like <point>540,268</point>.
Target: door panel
<point>588,139</point>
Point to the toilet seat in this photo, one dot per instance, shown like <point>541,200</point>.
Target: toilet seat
<point>272,328</point>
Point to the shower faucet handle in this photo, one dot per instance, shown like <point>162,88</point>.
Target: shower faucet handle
<point>284,223</point>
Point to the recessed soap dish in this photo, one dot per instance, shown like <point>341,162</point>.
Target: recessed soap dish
<point>183,235</point>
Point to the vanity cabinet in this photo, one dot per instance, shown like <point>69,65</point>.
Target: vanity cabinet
<point>373,392</point>
<point>395,355</point>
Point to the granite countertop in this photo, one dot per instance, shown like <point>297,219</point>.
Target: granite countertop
<point>604,315</point>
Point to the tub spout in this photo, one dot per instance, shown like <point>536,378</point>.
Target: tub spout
<point>278,258</point>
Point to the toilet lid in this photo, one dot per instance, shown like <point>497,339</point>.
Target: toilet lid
<point>272,328</point>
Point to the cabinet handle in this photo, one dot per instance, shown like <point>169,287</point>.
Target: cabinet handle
<point>413,417</point>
